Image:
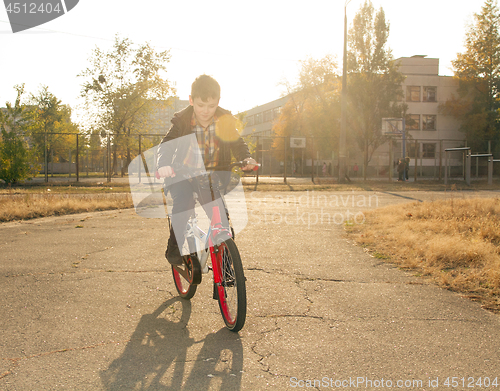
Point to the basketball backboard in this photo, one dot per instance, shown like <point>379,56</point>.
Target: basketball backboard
<point>392,126</point>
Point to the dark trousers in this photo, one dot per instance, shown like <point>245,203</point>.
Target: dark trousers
<point>183,207</point>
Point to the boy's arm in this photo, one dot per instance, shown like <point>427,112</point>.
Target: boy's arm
<point>239,148</point>
<point>166,152</point>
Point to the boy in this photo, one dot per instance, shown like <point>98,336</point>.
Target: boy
<point>215,130</point>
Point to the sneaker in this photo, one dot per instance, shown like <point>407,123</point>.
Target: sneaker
<point>173,254</point>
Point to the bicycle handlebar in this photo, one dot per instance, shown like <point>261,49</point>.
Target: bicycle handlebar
<point>176,167</point>
<point>229,167</point>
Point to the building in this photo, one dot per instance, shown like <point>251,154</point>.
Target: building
<point>259,124</point>
<point>428,131</point>
<point>424,91</point>
<point>164,112</point>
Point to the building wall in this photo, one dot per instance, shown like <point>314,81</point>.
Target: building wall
<point>260,119</point>
<point>161,118</point>
<point>424,91</point>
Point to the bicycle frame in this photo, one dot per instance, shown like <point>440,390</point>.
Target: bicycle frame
<point>205,242</point>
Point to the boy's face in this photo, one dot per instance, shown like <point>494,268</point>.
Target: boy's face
<point>204,110</point>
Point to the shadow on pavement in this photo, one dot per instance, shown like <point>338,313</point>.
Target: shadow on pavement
<point>156,356</point>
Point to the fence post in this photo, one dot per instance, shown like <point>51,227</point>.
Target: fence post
<point>77,161</point>
<point>108,159</point>
<point>464,164</point>
<point>390,160</point>
<point>270,158</point>
<point>468,159</point>
<point>421,163</point>
<point>490,170</point>
<point>284,162</point>
<point>257,159</point>
<point>45,158</point>
<point>440,159</point>
<point>446,168</point>
<point>416,161</point>
<point>312,160</point>
<point>139,160</point>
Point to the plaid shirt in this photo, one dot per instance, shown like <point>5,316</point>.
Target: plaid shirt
<point>207,142</point>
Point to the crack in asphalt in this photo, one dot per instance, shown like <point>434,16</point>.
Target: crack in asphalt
<point>81,271</point>
<point>15,361</point>
<point>302,277</point>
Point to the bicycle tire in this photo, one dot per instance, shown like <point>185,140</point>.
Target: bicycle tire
<point>185,289</point>
<point>231,293</point>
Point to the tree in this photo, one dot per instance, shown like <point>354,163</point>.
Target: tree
<point>374,81</point>
<point>313,108</point>
<point>49,125</point>
<point>478,72</point>
<point>14,154</point>
<point>121,89</point>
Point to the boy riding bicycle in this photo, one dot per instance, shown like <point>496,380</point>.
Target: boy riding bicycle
<point>217,138</point>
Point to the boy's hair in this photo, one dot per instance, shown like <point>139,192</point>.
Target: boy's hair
<point>205,87</point>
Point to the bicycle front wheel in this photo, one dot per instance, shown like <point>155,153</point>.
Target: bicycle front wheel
<point>231,292</point>
<point>185,286</point>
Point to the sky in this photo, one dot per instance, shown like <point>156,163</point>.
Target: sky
<point>250,47</point>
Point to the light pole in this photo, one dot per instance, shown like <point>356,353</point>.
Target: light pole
<point>343,107</point>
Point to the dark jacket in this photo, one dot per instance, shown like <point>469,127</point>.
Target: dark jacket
<point>226,133</point>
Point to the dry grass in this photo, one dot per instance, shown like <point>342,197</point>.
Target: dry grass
<point>28,206</point>
<point>369,185</point>
<point>455,242</point>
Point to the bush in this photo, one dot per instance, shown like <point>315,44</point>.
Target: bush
<point>14,158</point>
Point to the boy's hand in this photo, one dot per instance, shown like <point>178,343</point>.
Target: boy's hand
<point>250,164</point>
<point>166,172</point>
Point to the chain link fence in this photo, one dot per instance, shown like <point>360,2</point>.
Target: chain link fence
<point>103,156</point>
<point>107,156</point>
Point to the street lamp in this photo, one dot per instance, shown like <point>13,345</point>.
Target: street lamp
<point>343,121</point>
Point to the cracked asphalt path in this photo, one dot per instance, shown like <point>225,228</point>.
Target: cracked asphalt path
<point>89,304</point>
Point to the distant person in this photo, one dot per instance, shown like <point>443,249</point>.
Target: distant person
<point>355,169</point>
<point>401,169</point>
<point>324,169</point>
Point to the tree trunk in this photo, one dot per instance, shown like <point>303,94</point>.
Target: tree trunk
<point>365,160</point>
<point>115,159</point>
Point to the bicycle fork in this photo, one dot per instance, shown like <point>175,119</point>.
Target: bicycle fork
<point>218,235</point>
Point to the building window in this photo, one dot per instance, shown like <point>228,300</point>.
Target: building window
<point>258,118</point>
<point>429,150</point>
<point>276,112</point>
<point>413,93</point>
<point>268,116</point>
<point>429,122</point>
<point>410,150</point>
<point>412,122</point>
<point>250,120</point>
<point>430,94</point>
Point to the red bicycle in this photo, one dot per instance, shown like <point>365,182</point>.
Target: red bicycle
<point>214,251</point>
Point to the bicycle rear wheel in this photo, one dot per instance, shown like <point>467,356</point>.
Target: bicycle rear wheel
<point>185,287</point>
<point>231,292</point>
